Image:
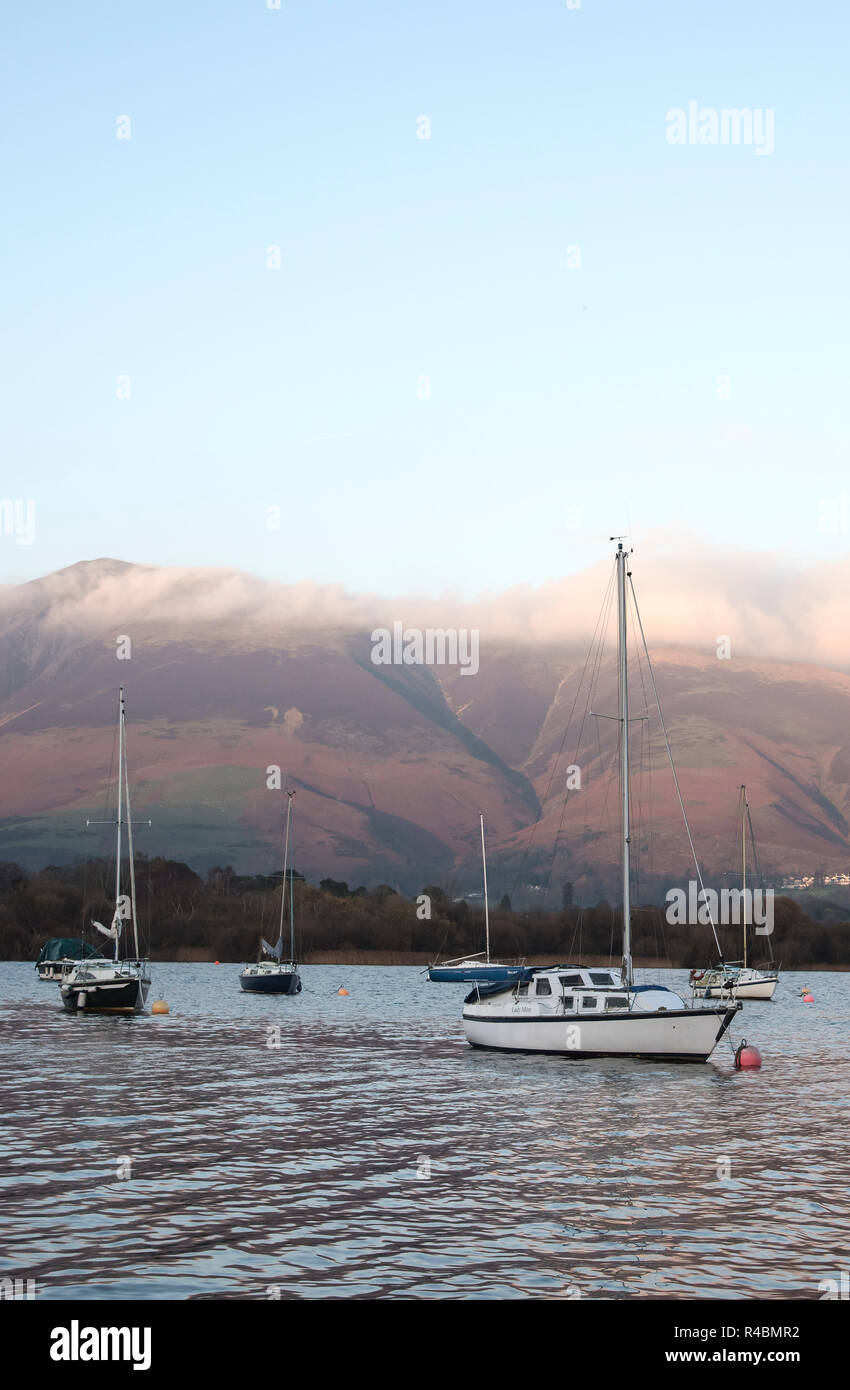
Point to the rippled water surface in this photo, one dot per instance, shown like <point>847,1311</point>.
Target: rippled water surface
<point>373,1154</point>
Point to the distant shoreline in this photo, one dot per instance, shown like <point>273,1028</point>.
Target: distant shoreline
<point>197,956</point>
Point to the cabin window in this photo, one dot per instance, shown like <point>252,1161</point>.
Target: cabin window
<point>601,977</point>
<point>522,991</point>
<point>589,1001</point>
<point>569,1003</point>
<point>617,1001</point>
<point>544,987</point>
<point>571,980</point>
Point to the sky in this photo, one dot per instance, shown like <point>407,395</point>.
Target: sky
<point>485,351</point>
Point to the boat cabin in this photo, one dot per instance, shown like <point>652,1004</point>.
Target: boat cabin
<point>574,989</point>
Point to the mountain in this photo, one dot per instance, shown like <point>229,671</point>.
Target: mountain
<point>227,676</point>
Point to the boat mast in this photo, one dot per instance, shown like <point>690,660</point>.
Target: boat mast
<point>622,657</point>
<point>285,867</point>
<point>116,918</point>
<point>486,903</point>
<point>291,887</point>
<point>744,864</point>
<point>130,850</point>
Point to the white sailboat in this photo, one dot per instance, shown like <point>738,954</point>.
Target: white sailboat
<point>466,969</point>
<point>104,984</point>
<point>737,979</point>
<point>579,1012</point>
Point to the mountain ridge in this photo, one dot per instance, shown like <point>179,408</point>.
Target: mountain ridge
<point>393,763</point>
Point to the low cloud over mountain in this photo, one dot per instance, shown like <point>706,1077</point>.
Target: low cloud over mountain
<point>230,674</point>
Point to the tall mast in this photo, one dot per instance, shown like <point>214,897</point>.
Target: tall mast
<point>744,864</point>
<point>486,903</point>
<point>116,918</point>
<point>130,850</point>
<point>622,658</point>
<point>285,867</point>
<point>291,887</point>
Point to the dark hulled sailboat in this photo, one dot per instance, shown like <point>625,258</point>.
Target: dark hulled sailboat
<point>111,984</point>
<point>271,974</point>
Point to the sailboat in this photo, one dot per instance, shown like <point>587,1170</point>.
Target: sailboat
<point>577,1012</point>
<point>737,979</point>
<point>465,969</point>
<point>273,975</point>
<point>104,984</point>
<point>59,955</point>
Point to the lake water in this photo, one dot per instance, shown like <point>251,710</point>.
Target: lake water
<point>373,1154</point>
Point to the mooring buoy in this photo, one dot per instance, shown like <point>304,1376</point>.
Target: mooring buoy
<point>747,1057</point>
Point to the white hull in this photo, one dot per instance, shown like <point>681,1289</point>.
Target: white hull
<point>750,989</point>
<point>686,1035</point>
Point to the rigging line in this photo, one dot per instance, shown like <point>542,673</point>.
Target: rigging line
<point>527,850</point>
<point>637,831</point>
<point>646,739</point>
<point>566,798</point>
<point>673,770</point>
<point>591,695</point>
<point>590,691</point>
<point>753,845</point>
<point>593,660</point>
<point>109,776</point>
<point>572,954</point>
<point>603,822</point>
<point>130,848</point>
<point>638,839</point>
<point>646,753</point>
<point>733,840</point>
<point>758,872</point>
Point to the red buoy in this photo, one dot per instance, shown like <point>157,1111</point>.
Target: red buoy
<point>747,1057</point>
<point>808,999</point>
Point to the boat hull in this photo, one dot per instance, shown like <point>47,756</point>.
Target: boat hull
<point>751,989</point>
<point>745,984</point>
<point>686,1035</point>
<point>120,996</point>
<point>472,974</point>
<point>289,983</point>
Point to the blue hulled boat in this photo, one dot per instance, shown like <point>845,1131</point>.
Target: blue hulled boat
<point>469,969</point>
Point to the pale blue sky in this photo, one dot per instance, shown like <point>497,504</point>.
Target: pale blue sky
<point>551,388</point>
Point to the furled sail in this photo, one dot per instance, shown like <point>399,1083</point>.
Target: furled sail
<point>276,951</point>
<point>114,931</point>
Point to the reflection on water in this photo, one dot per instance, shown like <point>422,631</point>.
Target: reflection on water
<point>374,1154</point>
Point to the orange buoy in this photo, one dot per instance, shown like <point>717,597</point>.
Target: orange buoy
<point>342,990</point>
<point>159,1006</point>
<point>747,1057</point>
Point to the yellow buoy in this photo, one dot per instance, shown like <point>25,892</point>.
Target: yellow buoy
<point>159,1006</point>
<point>342,990</point>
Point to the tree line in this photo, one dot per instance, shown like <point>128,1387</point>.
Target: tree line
<point>222,915</point>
